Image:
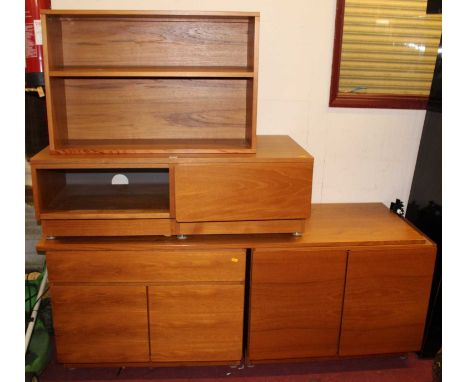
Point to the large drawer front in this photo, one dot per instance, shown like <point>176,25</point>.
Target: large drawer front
<point>243,191</point>
<point>135,266</point>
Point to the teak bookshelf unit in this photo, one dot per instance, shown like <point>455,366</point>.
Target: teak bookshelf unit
<point>151,82</point>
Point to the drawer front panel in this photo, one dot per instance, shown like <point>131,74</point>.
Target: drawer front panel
<point>106,227</point>
<point>193,323</point>
<point>243,191</point>
<point>136,266</point>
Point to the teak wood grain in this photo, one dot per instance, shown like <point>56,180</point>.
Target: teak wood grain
<point>270,149</point>
<point>242,191</point>
<point>295,303</point>
<point>141,109</point>
<point>100,323</point>
<point>386,299</point>
<point>158,41</point>
<point>347,225</point>
<point>107,227</point>
<point>240,227</point>
<point>101,201</point>
<point>157,266</point>
<point>196,322</point>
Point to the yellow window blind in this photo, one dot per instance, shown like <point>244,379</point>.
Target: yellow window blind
<point>388,47</point>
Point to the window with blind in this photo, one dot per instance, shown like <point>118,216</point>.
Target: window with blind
<point>385,53</point>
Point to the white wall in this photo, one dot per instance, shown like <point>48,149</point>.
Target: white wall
<point>361,155</point>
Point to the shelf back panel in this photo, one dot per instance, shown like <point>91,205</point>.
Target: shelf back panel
<point>143,109</point>
<point>114,41</point>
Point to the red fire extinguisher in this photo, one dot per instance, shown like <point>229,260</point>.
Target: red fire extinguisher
<point>34,53</point>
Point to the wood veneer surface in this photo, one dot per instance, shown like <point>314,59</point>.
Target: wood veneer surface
<point>152,267</point>
<point>196,322</point>
<point>137,109</point>
<point>100,323</point>
<point>295,304</point>
<point>250,191</point>
<point>270,148</point>
<point>357,224</point>
<point>386,298</point>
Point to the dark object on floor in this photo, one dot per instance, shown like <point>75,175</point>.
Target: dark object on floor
<point>425,205</point>
<point>437,367</point>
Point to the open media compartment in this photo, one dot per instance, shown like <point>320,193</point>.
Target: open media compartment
<point>103,193</point>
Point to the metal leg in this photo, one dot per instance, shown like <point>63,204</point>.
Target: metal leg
<point>181,237</point>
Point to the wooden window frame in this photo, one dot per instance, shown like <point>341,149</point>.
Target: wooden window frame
<point>360,100</point>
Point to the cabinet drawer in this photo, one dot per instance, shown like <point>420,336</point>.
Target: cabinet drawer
<point>136,266</point>
<point>243,191</point>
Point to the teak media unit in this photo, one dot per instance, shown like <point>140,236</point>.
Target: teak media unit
<point>356,283</point>
<point>265,192</point>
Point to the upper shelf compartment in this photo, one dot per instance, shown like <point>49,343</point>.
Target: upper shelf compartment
<point>147,41</point>
<point>129,63</point>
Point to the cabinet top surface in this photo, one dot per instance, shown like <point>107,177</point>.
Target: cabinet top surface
<point>357,224</point>
<point>270,148</point>
<point>94,12</point>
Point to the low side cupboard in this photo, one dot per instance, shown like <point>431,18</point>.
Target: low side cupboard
<point>357,282</point>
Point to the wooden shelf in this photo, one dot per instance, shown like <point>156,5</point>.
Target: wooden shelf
<point>135,146</point>
<point>152,72</point>
<point>109,202</point>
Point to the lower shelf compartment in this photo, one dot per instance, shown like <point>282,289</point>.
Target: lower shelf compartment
<point>120,193</point>
<point>109,201</point>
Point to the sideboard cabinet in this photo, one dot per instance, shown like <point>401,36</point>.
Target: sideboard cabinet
<point>356,283</point>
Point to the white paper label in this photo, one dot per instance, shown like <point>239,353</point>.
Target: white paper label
<point>38,32</point>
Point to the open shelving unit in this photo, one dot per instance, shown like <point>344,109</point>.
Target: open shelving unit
<point>151,82</point>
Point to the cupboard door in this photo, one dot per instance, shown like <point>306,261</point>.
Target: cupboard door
<point>386,297</point>
<point>295,304</point>
<point>192,323</point>
<point>243,191</point>
<point>95,324</point>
